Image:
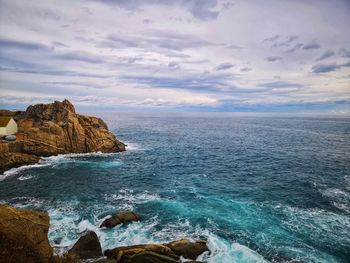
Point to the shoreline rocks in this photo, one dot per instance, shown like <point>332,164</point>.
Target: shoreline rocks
<point>23,239</point>
<point>52,129</point>
<point>87,247</point>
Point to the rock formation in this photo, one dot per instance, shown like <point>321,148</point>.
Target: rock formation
<point>120,218</point>
<point>23,236</point>
<point>188,249</point>
<point>23,239</point>
<point>51,129</point>
<point>88,246</point>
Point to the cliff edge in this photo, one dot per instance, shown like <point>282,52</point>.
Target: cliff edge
<point>51,129</point>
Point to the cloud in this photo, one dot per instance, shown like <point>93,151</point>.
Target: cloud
<point>245,69</point>
<point>281,84</point>
<point>224,66</point>
<point>273,58</point>
<point>311,45</point>
<point>200,9</point>
<point>325,68</point>
<point>294,48</point>
<point>285,42</point>
<point>271,39</point>
<point>173,65</point>
<point>344,53</point>
<point>156,39</point>
<point>327,54</point>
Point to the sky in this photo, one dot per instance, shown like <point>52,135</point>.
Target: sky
<point>177,55</point>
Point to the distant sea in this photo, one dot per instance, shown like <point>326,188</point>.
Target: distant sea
<point>258,188</point>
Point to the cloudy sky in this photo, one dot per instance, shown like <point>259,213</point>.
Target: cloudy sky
<point>177,55</point>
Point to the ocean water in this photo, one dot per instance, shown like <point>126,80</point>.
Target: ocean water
<point>258,188</point>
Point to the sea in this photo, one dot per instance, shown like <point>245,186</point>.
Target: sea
<point>257,187</point>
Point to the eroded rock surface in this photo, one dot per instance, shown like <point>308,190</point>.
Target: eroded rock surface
<point>120,218</point>
<point>88,246</point>
<point>55,128</point>
<point>23,236</point>
<point>188,249</point>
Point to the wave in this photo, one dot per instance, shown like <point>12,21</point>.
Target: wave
<point>339,198</point>
<point>25,177</point>
<point>55,160</point>
<point>15,171</point>
<point>130,198</point>
<point>131,146</point>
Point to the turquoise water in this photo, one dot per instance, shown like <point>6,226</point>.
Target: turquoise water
<point>260,189</point>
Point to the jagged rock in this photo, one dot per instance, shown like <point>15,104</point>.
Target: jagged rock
<point>143,253</point>
<point>188,249</point>
<point>120,218</point>
<point>55,128</point>
<point>11,160</point>
<point>23,236</point>
<point>88,246</point>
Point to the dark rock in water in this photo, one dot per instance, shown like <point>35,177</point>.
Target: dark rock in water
<point>23,236</point>
<point>143,253</point>
<point>120,218</point>
<point>55,128</point>
<point>88,246</point>
<point>188,249</point>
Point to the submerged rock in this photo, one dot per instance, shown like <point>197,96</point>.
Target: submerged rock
<point>23,236</point>
<point>143,254</point>
<point>188,249</point>
<point>120,218</point>
<point>88,246</point>
<point>55,128</point>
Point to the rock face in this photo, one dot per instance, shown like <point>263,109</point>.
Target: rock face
<point>188,249</point>
<point>120,218</point>
<point>155,253</point>
<point>51,129</point>
<point>88,246</point>
<point>23,236</point>
<point>152,253</point>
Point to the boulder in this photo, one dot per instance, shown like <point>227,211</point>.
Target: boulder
<point>143,253</point>
<point>87,247</point>
<point>23,236</point>
<point>188,249</point>
<point>56,128</point>
<point>10,138</point>
<point>120,218</point>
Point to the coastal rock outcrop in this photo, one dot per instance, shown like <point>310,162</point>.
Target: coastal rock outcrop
<point>143,253</point>
<point>88,246</point>
<point>23,239</point>
<point>188,249</point>
<point>55,128</point>
<point>120,218</point>
<point>23,236</point>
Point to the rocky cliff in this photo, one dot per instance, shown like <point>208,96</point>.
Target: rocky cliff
<point>55,128</point>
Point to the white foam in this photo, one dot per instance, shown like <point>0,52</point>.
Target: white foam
<point>56,159</point>
<point>25,177</point>
<point>130,198</point>
<point>339,198</point>
<point>15,171</point>
<point>131,146</point>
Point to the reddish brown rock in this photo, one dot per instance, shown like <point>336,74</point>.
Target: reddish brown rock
<point>23,236</point>
<point>120,218</point>
<point>143,253</point>
<point>88,246</point>
<point>55,128</point>
<point>188,249</point>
